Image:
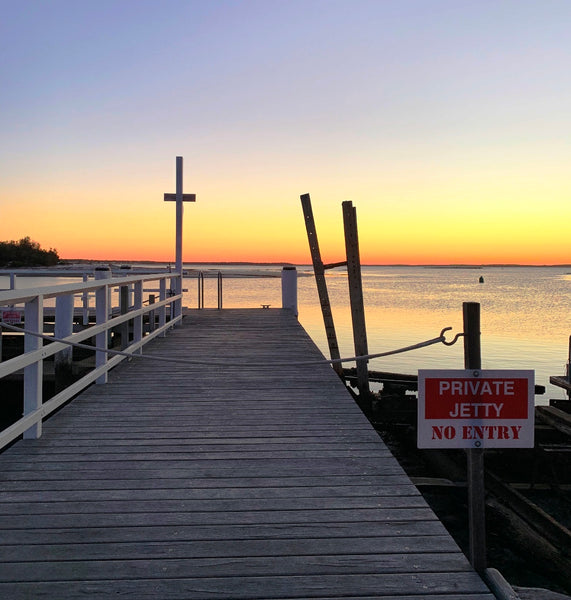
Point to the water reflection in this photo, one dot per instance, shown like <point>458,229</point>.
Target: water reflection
<point>525,316</point>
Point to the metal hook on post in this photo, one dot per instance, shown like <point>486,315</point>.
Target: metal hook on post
<point>452,342</point>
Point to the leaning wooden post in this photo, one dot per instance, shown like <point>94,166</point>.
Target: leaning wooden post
<point>63,328</point>
<point>475,456</point>
<point>356,295</point>
<point>319,271</point>
<point>33,374</point>
<point>289,289</point>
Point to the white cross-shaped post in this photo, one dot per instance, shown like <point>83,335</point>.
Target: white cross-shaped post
<point>179,198</point>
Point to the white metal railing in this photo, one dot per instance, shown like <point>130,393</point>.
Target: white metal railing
<point>167,309</point>
<point>200,278</point>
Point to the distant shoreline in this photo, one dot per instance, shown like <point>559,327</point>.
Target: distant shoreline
<point>290,264</point>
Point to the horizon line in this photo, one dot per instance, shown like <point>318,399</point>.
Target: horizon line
<point>309,264</point>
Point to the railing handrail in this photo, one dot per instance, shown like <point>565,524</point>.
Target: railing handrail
<point>201,275</point>
<point>12,365</point>
<point>31,360</point>
<point>52,291</point>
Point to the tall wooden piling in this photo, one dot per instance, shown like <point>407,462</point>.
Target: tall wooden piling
<point>475,456</point>
<point>356,295</point>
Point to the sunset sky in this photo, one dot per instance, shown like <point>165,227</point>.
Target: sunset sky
<point>446,122</point>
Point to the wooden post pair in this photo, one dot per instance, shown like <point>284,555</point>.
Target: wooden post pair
<point>353,264</point>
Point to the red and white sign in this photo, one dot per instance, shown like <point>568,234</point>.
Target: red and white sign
<point>475,409</point>
<point>11,317</point>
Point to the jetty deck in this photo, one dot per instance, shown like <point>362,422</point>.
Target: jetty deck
<point>230,477</point>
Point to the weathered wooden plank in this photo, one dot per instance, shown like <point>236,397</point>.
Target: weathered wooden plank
<point>222,532</point>
<point>197,444</point>
<point>291,565</point>
<point>201,467</point>
<point>217,505</point>
<point>53,460</point>
<point>90,591</point>
<point>201,493</point>
<point>237,517</point>
<point>212,482</point>
<point>310,586</point>
<point>435,546</point>
<point>172,447</point>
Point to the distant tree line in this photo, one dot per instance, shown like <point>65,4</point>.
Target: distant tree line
<point>26,253</point>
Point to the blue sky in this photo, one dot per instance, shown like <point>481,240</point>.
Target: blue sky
<point>411,109</point>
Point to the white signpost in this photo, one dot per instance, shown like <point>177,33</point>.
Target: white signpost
<point>475,409</point>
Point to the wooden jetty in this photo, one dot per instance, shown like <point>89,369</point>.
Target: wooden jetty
<point>229,477</point>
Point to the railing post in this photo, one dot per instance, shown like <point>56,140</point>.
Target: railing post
<point>172,291</point>
<point>200,289</point>
<point>124,309</point>
<point>101,316</point>
<point>138,321</point>
<point>12,282</point>
<point>152,323</point>
<point>63,328</point>
<point>569,366</point>
<point>219,290</point>
<point>163,308</point>
<point>33,374</point>
<point>85,302</point>
<point>289,289</point>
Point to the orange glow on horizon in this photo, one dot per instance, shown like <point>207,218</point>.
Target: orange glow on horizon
<point>223,226</point>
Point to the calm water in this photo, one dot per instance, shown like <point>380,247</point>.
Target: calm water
<point>525,313</point>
